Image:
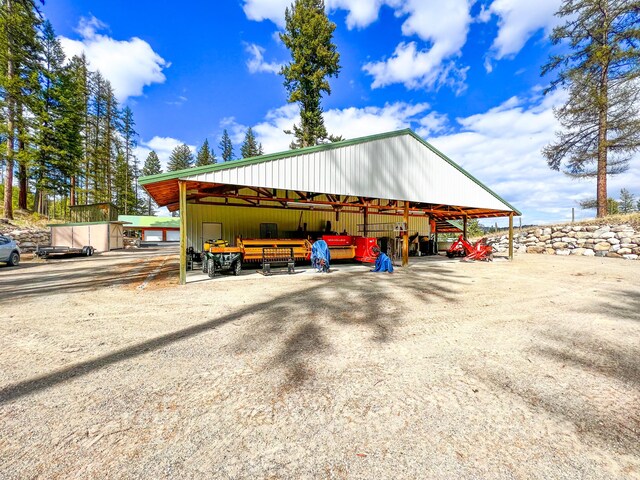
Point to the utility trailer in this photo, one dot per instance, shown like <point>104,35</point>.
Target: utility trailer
<point>83,238</point>
<point>45,252</point>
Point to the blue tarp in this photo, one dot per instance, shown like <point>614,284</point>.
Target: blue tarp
<point>320,255</point>
<point>383,264</point>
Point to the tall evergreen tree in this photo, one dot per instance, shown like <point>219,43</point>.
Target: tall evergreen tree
<point>129,139</point>
<point>151,167</point>
<point>601,118</point>
<point>19,46</point>
<point>124,197</point>
<point>627,200</point>
<point>314,59</point>
<point>250,147</point>
<point>226,147</point>
<point>181,158</point>
<point>205,155</point>
<point>53,164</point>
<point>71,124</point>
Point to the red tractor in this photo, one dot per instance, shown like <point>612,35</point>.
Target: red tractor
<point>478,251</point>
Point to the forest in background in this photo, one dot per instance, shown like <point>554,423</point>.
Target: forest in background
<point>63,133</point>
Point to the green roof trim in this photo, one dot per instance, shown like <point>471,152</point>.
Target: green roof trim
<point>79,224</point>
<point>150,221</point>
<point>188,172</point>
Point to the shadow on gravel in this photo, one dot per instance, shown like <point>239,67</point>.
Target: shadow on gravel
<point>76,277</point>
<point>362,300</point>
<point>602,412</point>
<point>622,304</point>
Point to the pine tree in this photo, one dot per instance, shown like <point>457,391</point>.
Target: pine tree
<point>205,155</point>
<point>53,164</point>
<point>151,167</point>
<point>627,201</point>
<point>226,147</point>
<point>249,147</point>
<point>314,58</point>
<point>71,124</point>
<point>124,197</point>
<point>129,138</point>
<point>180,159</point>
<point>19,46</point>
<point>601,118</point>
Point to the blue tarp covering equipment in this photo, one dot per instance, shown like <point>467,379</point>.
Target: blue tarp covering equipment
<point>320,256</point>
<point>383,264</point>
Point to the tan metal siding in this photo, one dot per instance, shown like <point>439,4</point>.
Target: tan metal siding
<point>245,222</point>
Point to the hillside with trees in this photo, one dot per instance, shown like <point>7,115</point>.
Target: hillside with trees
<point>64,135</point>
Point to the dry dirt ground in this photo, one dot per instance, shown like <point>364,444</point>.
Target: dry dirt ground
<point>444,370</point>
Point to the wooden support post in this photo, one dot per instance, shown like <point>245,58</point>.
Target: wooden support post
<point>405,236</point>
<point>182,187</point>
<point>365,227</point>
<point>464,227</point>
<point>511,236</point>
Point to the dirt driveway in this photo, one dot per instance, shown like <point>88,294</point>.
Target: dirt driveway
<point>521,370</point>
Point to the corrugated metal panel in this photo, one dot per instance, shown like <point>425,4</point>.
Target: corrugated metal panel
<point>397,168</point>
<point>245,222</point>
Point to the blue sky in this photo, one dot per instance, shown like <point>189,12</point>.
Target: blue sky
<point>464,74</point>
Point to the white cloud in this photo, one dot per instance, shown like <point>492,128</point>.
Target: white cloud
<point>260,10</point>
<point>129,65</point>
<point>361,12</point>
<point>518,20</point>
<point>502,148</point>
<point>256,63</point>
<point>417,68</point>
<point>163,146</point>
<point>443,25</point>
<point>349,122</point>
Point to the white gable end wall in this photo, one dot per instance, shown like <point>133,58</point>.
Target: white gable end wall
<point>397,168</point>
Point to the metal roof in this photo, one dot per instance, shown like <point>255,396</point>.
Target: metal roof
<point>395,166</point>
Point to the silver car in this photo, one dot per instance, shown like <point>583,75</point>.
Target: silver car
<point>9,251</point>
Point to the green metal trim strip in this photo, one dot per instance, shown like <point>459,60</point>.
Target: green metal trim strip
<point>189,172</point>
<point>85,223</point>
<point>146,221</point>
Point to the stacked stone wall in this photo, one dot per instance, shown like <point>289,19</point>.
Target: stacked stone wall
<point>29,239</point>
<point>619,241</point>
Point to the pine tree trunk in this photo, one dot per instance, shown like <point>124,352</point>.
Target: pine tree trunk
<point>8,173</point>
<point>602,165</point>
<point>603,104</point>
<point>23,180</point>
<point>72,193</point>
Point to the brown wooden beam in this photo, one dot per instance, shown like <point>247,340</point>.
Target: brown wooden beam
<point>405,236</point>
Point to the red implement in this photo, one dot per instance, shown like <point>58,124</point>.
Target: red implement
<point>348,247</point>
<point>478,251</point>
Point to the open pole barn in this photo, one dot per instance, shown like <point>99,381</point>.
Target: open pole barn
<point>363,186</point>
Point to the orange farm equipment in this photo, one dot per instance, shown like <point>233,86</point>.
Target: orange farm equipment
<point>348,247</point>
<point>463,248</point>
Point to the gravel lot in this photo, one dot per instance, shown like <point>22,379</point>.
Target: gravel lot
<point>530,369</point>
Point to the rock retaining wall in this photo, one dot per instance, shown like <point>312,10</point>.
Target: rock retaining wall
<point>619,241</point>
<point>29,239</point>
